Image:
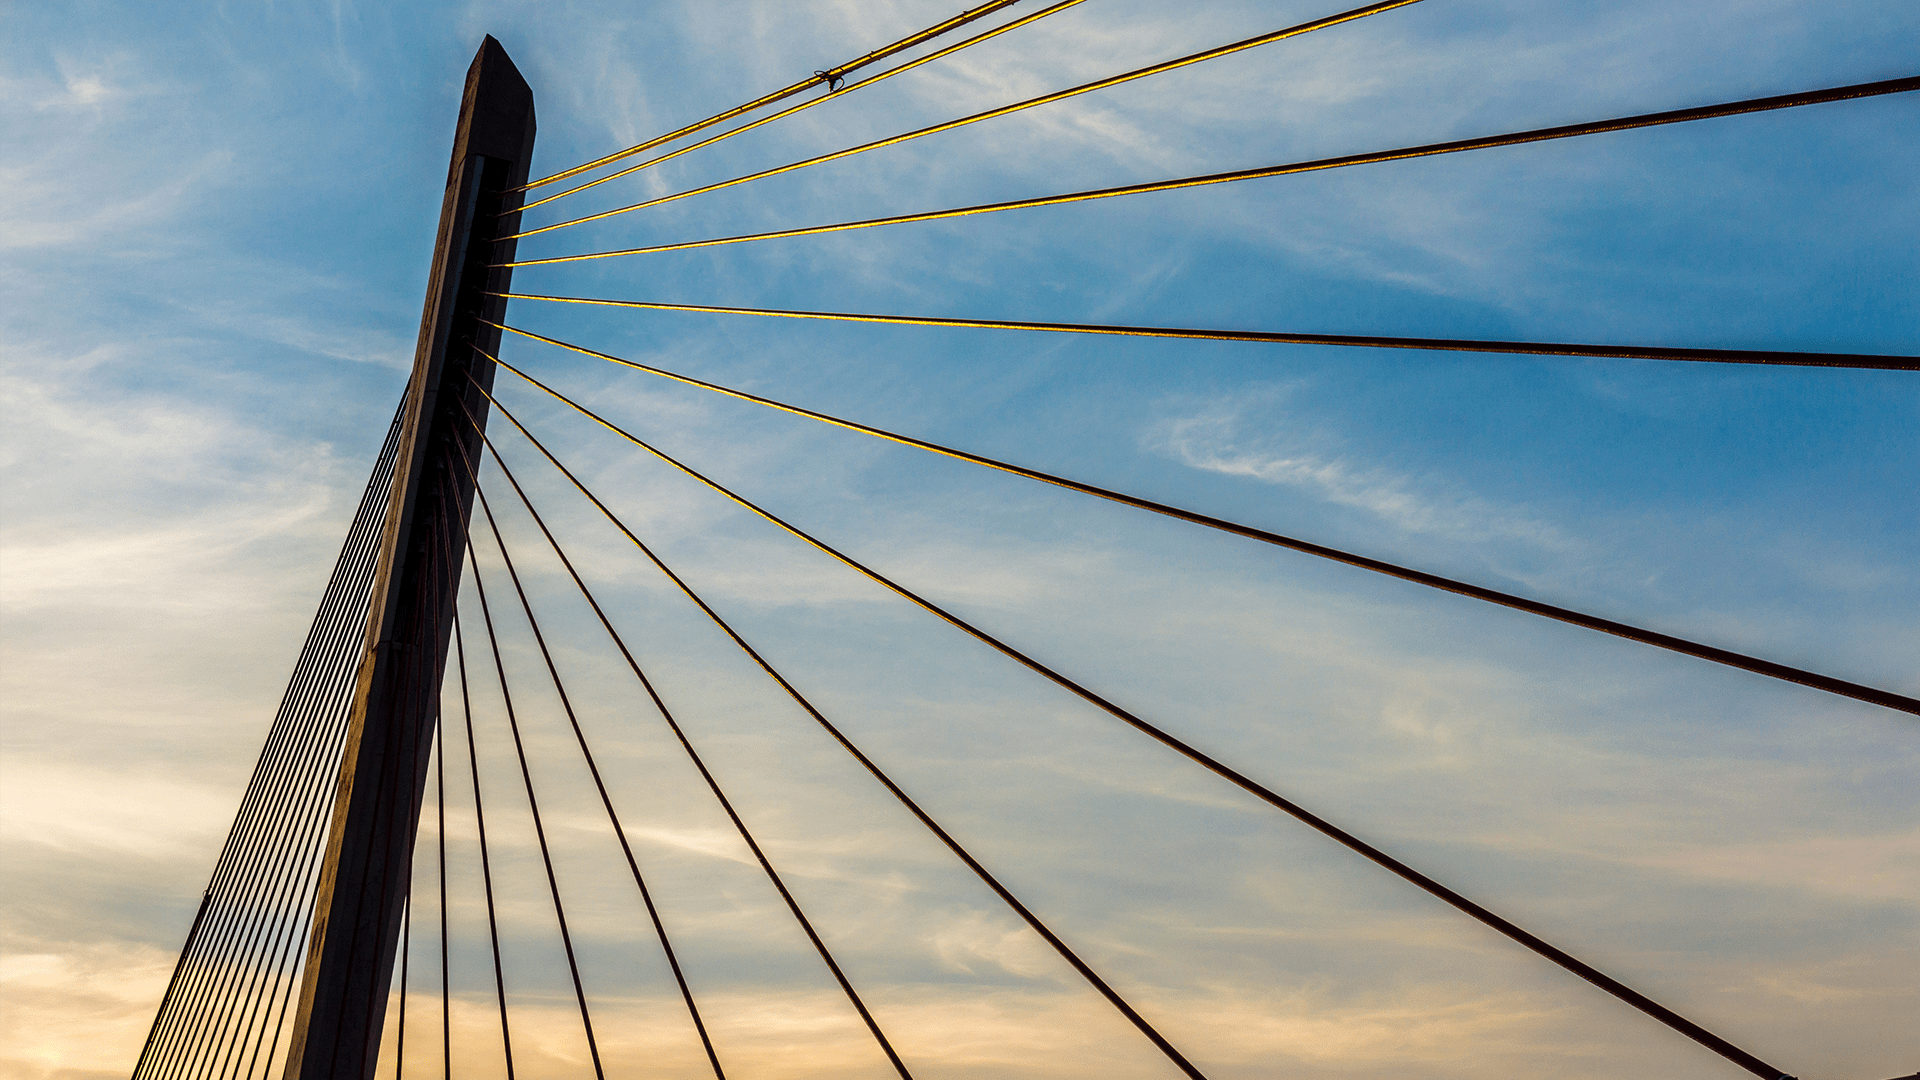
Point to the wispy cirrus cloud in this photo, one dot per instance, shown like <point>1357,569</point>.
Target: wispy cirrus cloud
<point>1222,437</point>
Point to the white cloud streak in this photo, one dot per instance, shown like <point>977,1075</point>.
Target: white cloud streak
<point>1216,438</point>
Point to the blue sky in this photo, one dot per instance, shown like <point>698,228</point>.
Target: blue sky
<point>219,223</point>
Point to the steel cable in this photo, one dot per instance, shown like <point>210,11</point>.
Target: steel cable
<point>1004,110</point>
<point>808,104</point>
<point>225,955</point>
<point>830,77</point>
<point>300,888</point>
<point>1783,101</point>
<point>238,874</point>
<point>390,788</point>
<point>739,824</point>
<point>872,1024</point>
<point>264,813</point>
<point>1768,668</point>
<point>280,831</point>
<point>593,768</point>
<point>440,836</point>
<point>1565,960</point>
<point>486,865</point>
<point>445,586</point>
<point>383,792</point>
<point>406,951</point>
<point>1066,952</point>
<point>449,571</point>
<point>285,948</point>
<point>173,981</point>
<point>418,687</point>
<point>526,775</point>
<point>1530,348</point>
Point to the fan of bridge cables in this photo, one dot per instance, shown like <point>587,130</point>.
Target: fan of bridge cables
<point>226,1012</point>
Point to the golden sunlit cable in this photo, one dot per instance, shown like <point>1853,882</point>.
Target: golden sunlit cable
<point>830,77</point>
<point>810,103</point>
<point>1734,108</point>
<point>1529,348</point>
<point>1728,657</point>
<point>1044,99</point>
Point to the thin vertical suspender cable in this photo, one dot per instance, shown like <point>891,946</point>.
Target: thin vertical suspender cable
<point>406,952</point>
<point>533,804</point>
<point>990,114</point>
<point>1066,952</point>
<point>445,587</point>
<point>440,835</point>
<point>808,104</point>
<point>830,77</point>
<point>419,692</point>
<point>1566,131</point>
<point>1617,989</point>
<point>424,680</point>
<point>1728,657</point>
<point>486,868</point>
<point>593,768</point>
<point>451,568</point>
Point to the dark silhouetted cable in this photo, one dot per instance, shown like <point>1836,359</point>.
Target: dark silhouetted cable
<point>1769,668</point>
<point>308,775</point>
<point>726,804</point>
<point>990,114</point>
<point>267,829</point>
<point>586,752</point>
<point>486,866</point>
<point>846,985</point>
<point>231,955</point>
<point>830,78</point>
<point>1530,348</point>
<point>173,983</point>
<point>533,803</point>
<point>1596,127</point>
<point>1565,960</point>
<point>440,838</point>
<point>406,952</point>
<point>1066,952</point>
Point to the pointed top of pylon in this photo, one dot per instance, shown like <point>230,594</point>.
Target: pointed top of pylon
<point>496,112</point>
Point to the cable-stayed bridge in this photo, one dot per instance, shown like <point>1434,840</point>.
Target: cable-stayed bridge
<point>328,908</point>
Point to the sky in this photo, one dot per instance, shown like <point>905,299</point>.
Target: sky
<point>219,223</point>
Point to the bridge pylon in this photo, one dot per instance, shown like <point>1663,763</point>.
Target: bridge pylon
<point>367,872</point>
